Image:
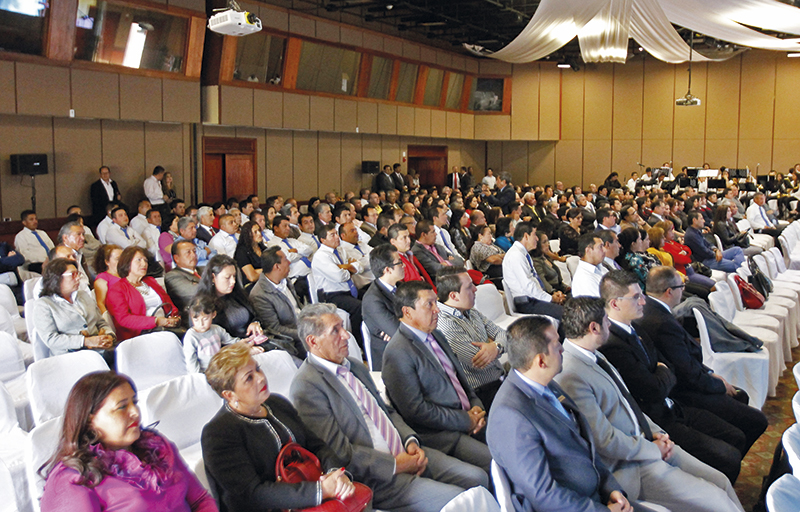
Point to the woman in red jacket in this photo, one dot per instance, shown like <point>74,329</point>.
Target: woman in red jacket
<point>135,301</point>
<point>682,256</point>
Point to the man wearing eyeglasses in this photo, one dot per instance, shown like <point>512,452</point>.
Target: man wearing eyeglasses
<point>701,433</point>
<point>697,385</point>
<point>378,301</point>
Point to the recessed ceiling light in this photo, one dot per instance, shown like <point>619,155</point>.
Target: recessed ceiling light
<point>563,65</point>
<point>793,54</point>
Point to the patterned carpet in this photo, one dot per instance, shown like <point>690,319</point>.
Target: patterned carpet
<point>759,459</point>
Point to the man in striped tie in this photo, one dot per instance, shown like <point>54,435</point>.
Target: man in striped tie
<point>339,402</point>
<point>425,381</point>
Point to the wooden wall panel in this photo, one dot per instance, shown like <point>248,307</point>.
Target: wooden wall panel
<point>492,127</point>
<point>438,123</point>
<point>96,94</point>
<point>624,155</point>
<point>757,101</point>
<point>453,125</point>
<point>327,31</point>
<point>302,25</point>
<point>597,115</point>
<point>351,162</point>
<point>787,101</point>
<point>274,18</point>
<point>77,157</point>
<point>8,93</point>
<point>370,150</point>
<point>722,100</point>
<point>467,126</point>
<point>181,101</point>
<point>295,111</point>
<point>572,104</point>
<point>422,122</point>
<point>569,161</point>
<point>753,152</point>
<point>784,154</point>
<point>720,152</point>
<point>596,160</point>
<point>549,102</point>
<point>305,176</point>
<point>541,162</point>
<point>140,98</point>
<point>494,156</point>
<point>690,122</point>
<point>515,160</point>
<point>367,117</point>
<point>690,153</point>
<point>22,134</point>
<point>42,90</point>
<point>659,87</point>
<point>280,163</point>
<point>123,152</point>
<point>330,163</point>
<point>473,153</point>
<point>345,115</point>
<point>525,107</point>
<point>321,113</point>
<point>162,146</point>
<point>236,106</point>
<point>267,108</point>
<point>390,150</point>
<point>628,98</point>
<point>656,151</point>
<point>387,119</point>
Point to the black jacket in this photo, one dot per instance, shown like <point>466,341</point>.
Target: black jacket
<point>378,312</point>
<point>99,198</point>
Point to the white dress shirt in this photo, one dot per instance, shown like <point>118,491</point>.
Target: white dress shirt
<point>115,235</point>
<point>224,243</point>
<point>359,253</point>
<point>29,247</point>
<point>443,239</point>
<point>297,265</point>
<point>518,274</point>
<point>310,240</point>
<point>139,223</point>
<point>109,188</point>
<point>586,281</point>
<point>150,234</point>
<point>153,191</point>
<point>757,217</point>
<point>327,274</point>
<point>102,228</point>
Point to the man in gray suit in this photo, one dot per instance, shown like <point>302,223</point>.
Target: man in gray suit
<point>643,459</point>
<point>432,255</point>
<point>425,381</point>
<point>181,282</point>
<point>538,436</point>
<point>274,298</point>
<point>336,397</point>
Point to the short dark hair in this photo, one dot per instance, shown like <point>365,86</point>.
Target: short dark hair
<point>395,230</point>
<point>525,340</point>
<point>407,294</point>
<point>126,258</point>
<point>423,227</point>
<point>338,209</point>
<point>74,217</point>
<point>380,258</point>
<point>116,209</point>
<point>25,213</point>
<point>580,313</point>
<point>607,236</point>
<point>574,212</point>
<point>201,305</point>
<point>157,170</point>
<point>448,281</point>
<point>385,221</point>
<point>502,226</point>
<point>151,211</point>
<point>603,213</point>
<point>53,274</point>
<point>270,258</point>
<point>522,229</point>
<point>616,283</point>
<point>323,229</point>
<point>585,241</point>
<point>176,202</point>
<point>176,246</point>
<point>693,215</point>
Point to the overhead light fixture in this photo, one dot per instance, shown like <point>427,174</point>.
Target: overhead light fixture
<point>389,7</point>
<point>564,65</point>
<point>790,55</point>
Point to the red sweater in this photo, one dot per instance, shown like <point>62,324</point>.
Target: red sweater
<point>128,310</point>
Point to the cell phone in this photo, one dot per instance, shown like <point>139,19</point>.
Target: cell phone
<point>258,339</point>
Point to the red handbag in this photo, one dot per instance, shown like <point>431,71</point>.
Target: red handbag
<point>295,464</point>
<point>751,298</point>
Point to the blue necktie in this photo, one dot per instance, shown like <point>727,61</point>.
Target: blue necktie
<point>46,249</point>
<point>533,270</point>
<point>444,239</point>
<point>358,249</point>
<point>350,283</point>
<point>302,258</point>
<point>550,397</point>
<point>641,345</point>
<point>763,216</point>
<point>316,240</point>
<point>125,231</point>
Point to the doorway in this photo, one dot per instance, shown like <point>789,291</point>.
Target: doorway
<point>229,168</point>
<point>430,162</point>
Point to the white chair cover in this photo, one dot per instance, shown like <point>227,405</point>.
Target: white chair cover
<point>50,380</point>
<point>9,302</point>
<point>509,298</point>
<point>566,277</point>
<point>572,264</point>
<point>784,494</point>
<point>367,337</point>
<point>489,302</point>
<point>353,350</point>
<point>796,373</point>
<point>151,359</point>
<point>796,406</point>
<point>12,459</point>
<point>791,443</point>
<point>746,370</point>
<point>280,370</point>
<point>312,288</point>
<point>377,378</point>
<point>502,488</point>
<point>12,376</point>
<point>7,489</point>
<point>12,364</point>
<point>476,499</point>
<point>28,286</point>
<point>40,446</point>
<point>40,350</point>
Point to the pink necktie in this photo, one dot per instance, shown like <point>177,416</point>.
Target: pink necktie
<point>374,411</point>
<point>449,370</point>
<point>432,250</point>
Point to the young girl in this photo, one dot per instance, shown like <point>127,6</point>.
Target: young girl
<point>204,339</point>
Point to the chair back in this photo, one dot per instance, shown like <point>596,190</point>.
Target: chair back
<point>475,498</point>
<point>489,302</point>
<point>555,245</point>
<point>777,256</point>
<point>791,443</point>
<point>12,362</point>
<point>502,488</point>
<point>40,446</point>
<point>7,489</point>
<point>312,288</point>
<point>353,350</point>
<point>50,380</point>
<point>8,301</point>
<point>762,261</point>
<point>796,373</point>
<point>737,297</point>
<point>784,494</point>
<point>28,287</point>
<point>705,339</point>
<point>718,242</point>
<point>181,406</point>
<point>151,359</point>
<point>367,337</point>
<point>785,245</point>
<point>40,350</point>
<point>572,264</point>
<point>8,414</point>
<point>280,370</point>
<point>744,225</point>
<point>796,406</point>
<point>722,304</point>
<point>509,298</point>
<point>7,323</point>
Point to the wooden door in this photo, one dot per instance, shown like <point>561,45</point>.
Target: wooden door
<point>229,168</point>
<point>240,175</point>
<point>213,171</point>
<point>432,170</point>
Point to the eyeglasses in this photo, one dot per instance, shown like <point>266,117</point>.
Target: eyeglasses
<point>637,297</point>
<point>71,273</point>
<point>394,264</point>
<point>677,286</point>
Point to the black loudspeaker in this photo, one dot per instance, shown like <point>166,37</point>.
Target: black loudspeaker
<point>370,167</point>
<point>29,165</point>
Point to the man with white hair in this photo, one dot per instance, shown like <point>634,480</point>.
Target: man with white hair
<point>205,219</point>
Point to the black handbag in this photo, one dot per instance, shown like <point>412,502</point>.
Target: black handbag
<point>758,279</point>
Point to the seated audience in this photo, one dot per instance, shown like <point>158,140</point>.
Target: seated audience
<point>432,394</point>
<point>503,233</point>
<point>543,260</point>
<point>135,301</point>
<point>248,252</point>
<point>242,441</point>
<point>702,250</point>
<point>763,220</point>
<point>71,235</point>
<point>234,311</point>
<point>633,255</point>
<point>205,221</point>
<point>729,235</point>
<point>187,229</point>
<point>32,243</point>
<point>485,256</point>
<point>430,254</point>
<point>298,253</point>
<point>106,461</point>
<point>590,270</point>
<point>460,233</point>
<point>226,239</point>
<point>358,251</point>
<point>181,282</point>
<point>105,268</point>
<point>378,302</point>
<point>120,233</point>
<point>568,233</point>
<point>169,234</point>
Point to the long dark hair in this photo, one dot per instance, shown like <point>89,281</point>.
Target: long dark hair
<point>627,238</point>
<point>246,235</point>
<point>721,214</point>
<point>77,435</point>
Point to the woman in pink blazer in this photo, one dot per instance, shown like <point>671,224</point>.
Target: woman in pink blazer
<point>134,300</point>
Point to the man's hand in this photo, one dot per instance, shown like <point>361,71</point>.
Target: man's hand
<point>559,297</point>
<point>665,445</point>
<point>477,419</point>
<point>617,502</point>
<point>422,461</point>
<point>729,389</point>
<point>487,353</point>
<point>717,254</point>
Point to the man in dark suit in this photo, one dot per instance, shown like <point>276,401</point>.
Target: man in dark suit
<point>397,178</point>
<point>336,397</point>
<point>378,303</point>
<point>505,194</point>
<point>431,255</point>
<point>426,384</point>
<point>102,192</point>
<point>274,298</point>
<point>697,385</point>
<point>699,432</point>
<point>383,180</point>
<point>181,282</point>
<point>537,435</point>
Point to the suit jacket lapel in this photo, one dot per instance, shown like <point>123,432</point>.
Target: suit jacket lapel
<point>345,395</point>
<point>422,349</point>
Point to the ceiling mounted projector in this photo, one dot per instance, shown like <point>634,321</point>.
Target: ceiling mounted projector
<point>233,21</point>
<point>688,101</point>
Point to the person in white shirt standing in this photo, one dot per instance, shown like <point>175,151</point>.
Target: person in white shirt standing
<point>586,281</point>
<point>120,233</point>
<point>153,191</point>
<point>32,243</point>
<point>224,242</point>
<point>139,223</point>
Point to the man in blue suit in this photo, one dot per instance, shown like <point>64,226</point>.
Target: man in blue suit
<point>536,434</point>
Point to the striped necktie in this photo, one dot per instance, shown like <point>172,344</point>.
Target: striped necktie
<point>449,370</point>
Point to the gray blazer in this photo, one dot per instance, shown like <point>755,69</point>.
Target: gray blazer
<point>326,406</point>
<point>551,466</point>
<point>429,261</point>
<point>420,390</point>
<point>273,309</point>
<point>181,287</point>
<point>613,429</point>
<point>60,325</point>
